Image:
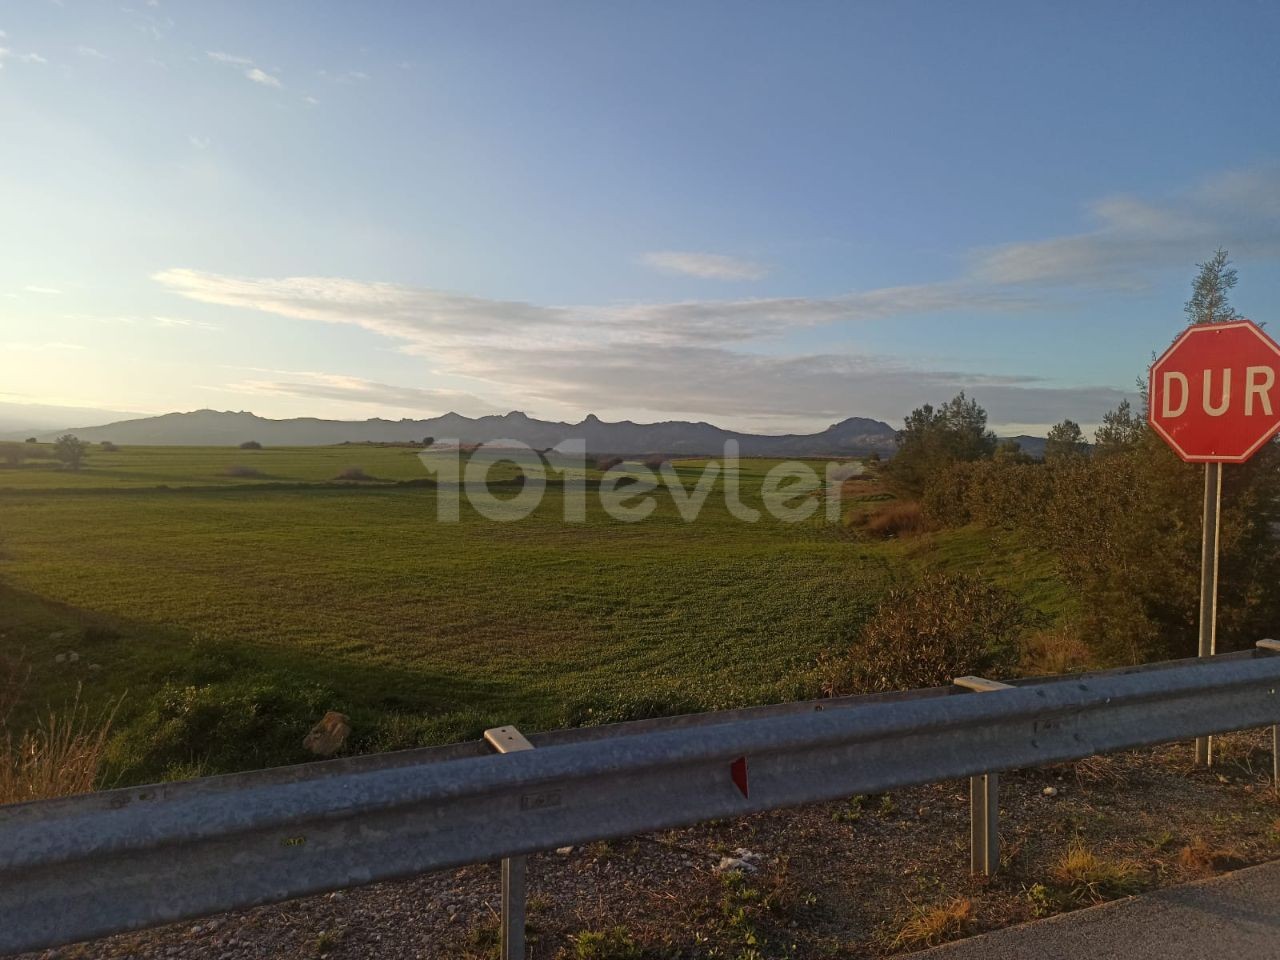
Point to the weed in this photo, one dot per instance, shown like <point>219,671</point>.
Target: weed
<point>1087,876</point>
<point>929,926</point>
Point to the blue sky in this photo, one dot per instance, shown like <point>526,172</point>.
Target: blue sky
<point>770,216</point>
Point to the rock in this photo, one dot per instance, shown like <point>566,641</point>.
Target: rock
<point>329,735</point>
<point>1050,791</point>
<point>60,658</point>
<point>95,666</point>
<point>564,851</point>
<point>735,863</point>
<point>57,635</point>
<point>73,657</point>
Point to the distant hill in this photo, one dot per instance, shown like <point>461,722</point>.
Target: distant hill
<point>856,436</point>
<point>20,420</point>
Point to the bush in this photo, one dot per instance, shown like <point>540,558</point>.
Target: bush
<point>251,445</point>
<point>930,632</point>
<point>109,447</point>
<point>71,451</point>
<point>353,473</point>
<point>12,454</point>
<point>897,519</point>
<point>239,723</point>
<point>240,470</point>
<point>604,463</point>
<point>656,460</point>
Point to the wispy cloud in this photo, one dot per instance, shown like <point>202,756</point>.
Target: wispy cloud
<point>1239,210</point>
<point>180,322</point>
<point>250,71</point>
<point>200,143</point>
<point>91,52</point>
<point>258,75</point>
<point>32,288</point>
<point>706,266</point>
<point>329,386</point>
<point>222,57</point>
<point>669,358</point>
<point>7,54</point>
<point>36,347</point>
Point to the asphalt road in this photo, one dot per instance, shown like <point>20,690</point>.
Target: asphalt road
<point>1235,916</point>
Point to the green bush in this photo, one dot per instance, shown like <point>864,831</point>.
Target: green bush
<point>219,727</point>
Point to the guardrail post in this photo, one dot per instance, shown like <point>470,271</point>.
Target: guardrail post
<point>510,740</point>
<point>1273,646</point>
<point>984,800</point>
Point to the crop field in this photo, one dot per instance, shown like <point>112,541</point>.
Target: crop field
<point>224,615</point>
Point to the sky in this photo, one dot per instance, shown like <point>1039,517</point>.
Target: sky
<point>770,216</point>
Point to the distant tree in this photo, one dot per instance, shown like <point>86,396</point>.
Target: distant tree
<point>109,447</point>
<point>1010,451</point>
<point>32,440</point>
<point>428,441</point>
<point>1065,439</point>
<point>1210,289</point>
<point>70,450</point>
<point>873,457</point>
<point>251,445</point>
<point>1121,430</point>
<point>12,453</point>
<point>932,439</point>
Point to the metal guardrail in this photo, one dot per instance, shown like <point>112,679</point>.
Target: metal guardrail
<point>83,867</point>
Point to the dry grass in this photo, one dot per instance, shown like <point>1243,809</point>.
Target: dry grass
<point>1087,876</point>
<point>898,519</point>
<point>60,757</point>
<point>1202,859</point>
<point>239,470</point>
<point>353,473</point>
<point>930,926</point>
<point>1054,651</point>
<point>15,672</point>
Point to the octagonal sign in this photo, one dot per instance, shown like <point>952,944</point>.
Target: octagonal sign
<point>1215,393</point>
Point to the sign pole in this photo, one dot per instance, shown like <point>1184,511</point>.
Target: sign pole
<point>1209,584</point>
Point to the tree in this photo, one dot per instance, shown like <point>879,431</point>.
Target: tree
<point>1010,451</point>
<point>1065,439</point>
<point>251,445</point>
<point>32,440</point>
<point>428,441</point>
<point>932,439</point>
<point>1120,431</point>
<point>70,450</point>
<point>1209,290</point>
<point>12,453</point>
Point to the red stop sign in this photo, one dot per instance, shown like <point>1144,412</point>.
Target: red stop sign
<point>1215,393</point>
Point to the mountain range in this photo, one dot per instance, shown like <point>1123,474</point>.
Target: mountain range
<point>856,436</point>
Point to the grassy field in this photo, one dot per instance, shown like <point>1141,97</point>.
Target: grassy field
<point>229,613</point>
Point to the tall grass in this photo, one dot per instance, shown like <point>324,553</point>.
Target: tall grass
<point>61,756</point>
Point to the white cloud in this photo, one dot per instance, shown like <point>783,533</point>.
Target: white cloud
<point>1239,211</point>
<point>262,77</point>
<point>328,386</point>
<point>310,100</point>
<point>200,143</point>
<point>666,359</point>
<point>32,288</point>
<point>7,54</point>
<point>706,266</point>
<point>231,58</point>
<point>91,52</point>
<point>179,322</point>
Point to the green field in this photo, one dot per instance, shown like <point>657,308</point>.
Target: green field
<point>230,613</point>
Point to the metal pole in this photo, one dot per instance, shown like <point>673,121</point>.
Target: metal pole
<point>1209,584</point>
<point>984,823</point>
<point>510,740</point>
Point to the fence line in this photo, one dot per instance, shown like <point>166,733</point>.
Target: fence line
<point>84,867</point>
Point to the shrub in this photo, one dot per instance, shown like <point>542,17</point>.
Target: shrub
<point>612,944</point>
<point>604,463</point>
<point>1054,651</point>
<point>240,470</point>
<point>109,447</point>
<point>930,632</point>
<point>656,460</point>
<point>32,440</point>
<point>354,474</point>
<point>897,519</point>
<point>239,723</point>
<point>251,445</point>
